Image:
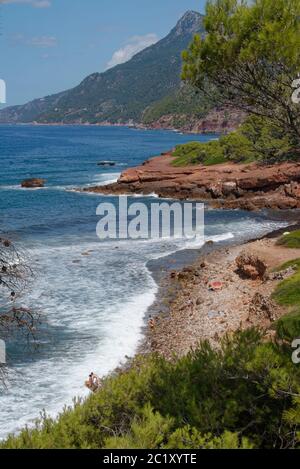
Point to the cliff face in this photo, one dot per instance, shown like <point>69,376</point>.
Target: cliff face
<point>216,121</point>
<point>230,185</point>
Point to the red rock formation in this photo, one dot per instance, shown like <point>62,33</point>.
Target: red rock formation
<point>230,185</point>
<point>250,266</point>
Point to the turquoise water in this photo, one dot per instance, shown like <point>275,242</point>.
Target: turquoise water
<point>92,295</point>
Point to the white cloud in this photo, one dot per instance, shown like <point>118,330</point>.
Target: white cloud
<point>42,41</point>
<point>134,45</point>
<point>34,3</point>
<point>37,41</point>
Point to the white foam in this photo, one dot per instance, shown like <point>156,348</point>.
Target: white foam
<point>105,179</point>
<point>152,195</point>
<point>81,303</point>
<point>20,188</point>
<point>99,328</point>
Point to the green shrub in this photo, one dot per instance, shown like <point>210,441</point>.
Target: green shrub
<point>196,152</point>
<point>291,240</point>
<point>255,140</point>
<point>236,397</point>
<point>238,148</point>
<point>150,430</point>
<point>288,327</point>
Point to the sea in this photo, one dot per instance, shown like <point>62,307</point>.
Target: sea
<point>92,294</point>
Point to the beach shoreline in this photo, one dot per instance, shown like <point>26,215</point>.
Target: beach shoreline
<point>186,311</point>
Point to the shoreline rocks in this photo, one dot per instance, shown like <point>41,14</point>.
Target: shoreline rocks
<point>192,311</point>
<point>229,185</point>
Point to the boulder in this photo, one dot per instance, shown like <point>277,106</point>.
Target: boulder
<point>33,183</point>
<point>229,187</point>
<point>129,176</point>
<point>261,306</point>
<point>215,190</point>
<point>250,266</point>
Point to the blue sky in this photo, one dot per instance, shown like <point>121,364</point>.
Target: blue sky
<point>47,46</point>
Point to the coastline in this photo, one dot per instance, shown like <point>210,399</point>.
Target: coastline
<point>245,186</point>
<point>186,311</point>
<point>214,123</point>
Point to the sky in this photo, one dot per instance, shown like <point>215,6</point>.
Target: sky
<point>47,46</point>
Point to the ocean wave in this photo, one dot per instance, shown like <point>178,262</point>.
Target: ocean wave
<point>18,187</point>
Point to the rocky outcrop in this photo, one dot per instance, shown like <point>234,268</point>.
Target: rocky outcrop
<point>33,183</point>
<point>246,186</point>
<point>262,307</point>
<point>250,266</point>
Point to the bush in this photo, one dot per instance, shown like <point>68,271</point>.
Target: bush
<point>255,140</point>
<point>236,397</point>
<point>196,152</point>
<point>288,327</point>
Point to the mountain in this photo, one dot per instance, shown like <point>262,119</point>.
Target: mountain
<point>121,94</point>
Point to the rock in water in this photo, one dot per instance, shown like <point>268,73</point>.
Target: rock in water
<point>33,183</point>
<point>106,163</point>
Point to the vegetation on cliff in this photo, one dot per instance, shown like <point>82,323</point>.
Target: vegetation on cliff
<point>183,104</point>
<point>250,57</point>
<point>256,140</point>
<point>244,395</point>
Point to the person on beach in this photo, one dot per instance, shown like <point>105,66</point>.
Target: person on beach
<point>93,383</point>
<point>151,323</point>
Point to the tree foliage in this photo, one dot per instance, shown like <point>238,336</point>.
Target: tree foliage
<point>250,56</point>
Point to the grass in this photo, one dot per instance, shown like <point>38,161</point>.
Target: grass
<point>288,327</point>
<point>291,240</point>
<point>287,293</point>
<point>293,263</point>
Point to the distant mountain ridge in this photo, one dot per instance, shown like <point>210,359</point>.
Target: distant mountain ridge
<point>121,94</point>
